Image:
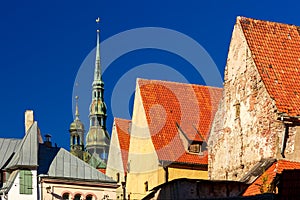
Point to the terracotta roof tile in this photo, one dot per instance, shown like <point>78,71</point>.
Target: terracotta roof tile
<point>123,132</point>
<point>167,104</point>
<point>275,50</point>
<point>270,174</point>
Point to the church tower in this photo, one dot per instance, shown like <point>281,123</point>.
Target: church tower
<point>77,135</point>
<point>97,139</point>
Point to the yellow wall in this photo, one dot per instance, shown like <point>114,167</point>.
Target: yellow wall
<point>143,160</point>
<point>175,173</point>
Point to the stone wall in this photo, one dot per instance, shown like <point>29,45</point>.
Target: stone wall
<point>246,126</point>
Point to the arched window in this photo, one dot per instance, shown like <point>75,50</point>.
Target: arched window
<point>77,197</point>
<point>73,139</point>
<point>78,140</point>
<point>89,197</point>
<point>66,196</point>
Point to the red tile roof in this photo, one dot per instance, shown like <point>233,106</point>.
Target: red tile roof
<point>167,104</point>
<point>269,174</point>
<point>103,170</point>
<point>275,50</point>
<point>122,128</point>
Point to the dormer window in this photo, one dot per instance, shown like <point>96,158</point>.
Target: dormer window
<point>192,140</point>
<point>195,148</point>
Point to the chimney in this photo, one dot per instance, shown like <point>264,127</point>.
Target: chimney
<point>28,119</point>
<point>48,142</point>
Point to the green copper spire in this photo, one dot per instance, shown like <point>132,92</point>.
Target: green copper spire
<point>97,139</point>
<point>97,73</point>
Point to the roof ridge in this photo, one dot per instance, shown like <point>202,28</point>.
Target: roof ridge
<point>117,118</point>
<point>239,18</point>
<point>177,83</point>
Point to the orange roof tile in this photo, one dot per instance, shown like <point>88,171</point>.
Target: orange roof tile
<point>103,170</point>
<point>122,127</point>
<point>269,174</point>
<point>167,104</point>
<point>275,50</point>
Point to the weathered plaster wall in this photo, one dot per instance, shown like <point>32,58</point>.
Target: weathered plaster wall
<point>245,128</point>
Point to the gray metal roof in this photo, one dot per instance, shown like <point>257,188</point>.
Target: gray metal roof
<point>26,154</point>
<point>67,165</point>
<point>7,148</point>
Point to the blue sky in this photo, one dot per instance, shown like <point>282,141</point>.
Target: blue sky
<point>44,43</point>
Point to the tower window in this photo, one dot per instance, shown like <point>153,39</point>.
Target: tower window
<point>78,140</point>
<point>74,138</point>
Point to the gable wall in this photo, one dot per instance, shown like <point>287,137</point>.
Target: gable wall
<point>14,192</point>
<point>242,136</point>
<point>115,162</point>
<point>142,158</point>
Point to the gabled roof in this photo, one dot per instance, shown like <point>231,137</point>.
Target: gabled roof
<point>275,50</point>
<point>26,154</point>
<point>123,132</point>
<point>59,163</point>
<point>268,176</point>
<point>7,148</point>
<point>169,105</point>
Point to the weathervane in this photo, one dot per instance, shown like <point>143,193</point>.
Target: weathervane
<point>98,21</point>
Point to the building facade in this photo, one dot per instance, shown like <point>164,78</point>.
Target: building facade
<point>259,112</point>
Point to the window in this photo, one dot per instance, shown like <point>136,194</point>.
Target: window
<point>89,197</point>
<point>25,182</point>
<point>194,148</point>
<point>146,186</point>
<point>118,177</point>
<point>78,140</point>
<point>73,139</point>
<point>77,197</point>
<point>65,196</point>
<point>237,110</point>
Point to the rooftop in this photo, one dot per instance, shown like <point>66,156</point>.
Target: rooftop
<point>275,50</point>
<point>169,106</point>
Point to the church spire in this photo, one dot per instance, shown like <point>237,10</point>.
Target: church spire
<point>97,139</point>
<point>97,73</point>
<point>77,134</point>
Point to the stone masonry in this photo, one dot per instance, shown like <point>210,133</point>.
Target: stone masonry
<point>247,126</point>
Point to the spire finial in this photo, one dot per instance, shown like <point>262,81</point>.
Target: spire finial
<point>76,108</point>
<point>98,22</point>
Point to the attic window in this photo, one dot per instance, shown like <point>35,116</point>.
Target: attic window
<point>195,148</point>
